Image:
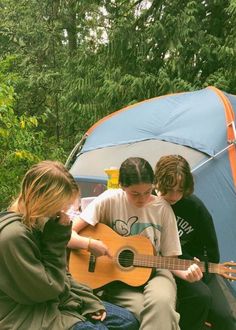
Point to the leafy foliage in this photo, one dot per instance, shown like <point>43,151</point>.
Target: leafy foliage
<point>22,143</point>
<point>66,64</point>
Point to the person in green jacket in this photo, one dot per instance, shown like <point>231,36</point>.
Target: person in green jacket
<point>36,290</point>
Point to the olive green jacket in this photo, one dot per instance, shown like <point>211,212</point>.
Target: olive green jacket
<point>36,292</point>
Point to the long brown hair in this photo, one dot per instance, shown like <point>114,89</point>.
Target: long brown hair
<point>45,189</point>
<point>173,170</point>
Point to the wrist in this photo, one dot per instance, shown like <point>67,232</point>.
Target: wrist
<point>83,242</point>
<point>89,243</point>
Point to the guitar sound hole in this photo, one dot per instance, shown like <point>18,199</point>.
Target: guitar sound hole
<point>126,258</point>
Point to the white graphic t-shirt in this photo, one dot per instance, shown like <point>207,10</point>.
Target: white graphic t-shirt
<point>156,220</point>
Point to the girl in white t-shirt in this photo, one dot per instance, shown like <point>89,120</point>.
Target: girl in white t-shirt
<point>134,210</point>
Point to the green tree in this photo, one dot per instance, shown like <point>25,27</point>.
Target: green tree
<point>81,60</point>
<point>22,141</point>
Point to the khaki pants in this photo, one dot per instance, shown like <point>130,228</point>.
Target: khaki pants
<point>153,304</point>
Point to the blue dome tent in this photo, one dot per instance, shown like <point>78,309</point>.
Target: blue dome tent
<point>198,125</point>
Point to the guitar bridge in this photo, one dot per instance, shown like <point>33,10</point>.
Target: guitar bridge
<point>92,263</point>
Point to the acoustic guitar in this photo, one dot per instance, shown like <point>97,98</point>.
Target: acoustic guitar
<point>132,262</point>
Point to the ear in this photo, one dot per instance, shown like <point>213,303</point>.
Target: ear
<point>156,191</point>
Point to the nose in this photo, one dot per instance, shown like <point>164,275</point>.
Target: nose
<point>141,197</point>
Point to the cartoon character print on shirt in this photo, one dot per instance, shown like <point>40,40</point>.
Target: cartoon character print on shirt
<point>135,227</point>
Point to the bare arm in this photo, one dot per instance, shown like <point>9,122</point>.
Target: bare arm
<point>77,241</point>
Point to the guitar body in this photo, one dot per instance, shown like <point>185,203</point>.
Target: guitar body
<point>97,272</point>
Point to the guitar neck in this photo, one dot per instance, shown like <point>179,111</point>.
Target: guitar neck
<point>173,263</point>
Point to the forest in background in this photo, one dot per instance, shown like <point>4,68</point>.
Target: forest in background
<point>64,64</point>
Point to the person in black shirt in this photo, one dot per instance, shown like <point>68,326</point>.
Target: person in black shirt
<point>210,299</point>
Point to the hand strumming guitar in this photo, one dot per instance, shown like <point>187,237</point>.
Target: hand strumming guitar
<point>98,248</point>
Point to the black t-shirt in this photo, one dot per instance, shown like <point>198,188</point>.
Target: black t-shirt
<point>196,229</point>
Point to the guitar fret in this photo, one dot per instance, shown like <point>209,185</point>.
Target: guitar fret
<point>171,263</point>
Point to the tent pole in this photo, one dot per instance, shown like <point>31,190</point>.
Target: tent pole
<point>74,152</point>
<point>212,157</point>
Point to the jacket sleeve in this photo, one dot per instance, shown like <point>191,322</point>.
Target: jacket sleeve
<point>33,271</point>
<point>89,302</point>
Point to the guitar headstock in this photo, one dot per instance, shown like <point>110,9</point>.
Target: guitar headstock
<point>228,269</point>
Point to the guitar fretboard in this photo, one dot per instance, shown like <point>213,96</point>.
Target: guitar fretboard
<point>172,263</point>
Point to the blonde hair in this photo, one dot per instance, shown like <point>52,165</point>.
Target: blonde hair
<point>45,189</point>
<point>171,171</point>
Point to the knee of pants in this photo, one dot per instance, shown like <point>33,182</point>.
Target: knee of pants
<point>160,292</point>
<point>204,296</point>
<point>89,326</point>
<point>163,303</point>
<point>197,293</point>
<point>160,302</point>
<point>136,309</point>
<point>121,315</point>
<point>207,298</point>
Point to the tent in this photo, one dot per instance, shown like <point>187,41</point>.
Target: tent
<point>198,125</point>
